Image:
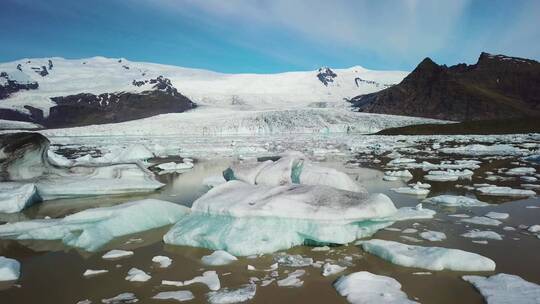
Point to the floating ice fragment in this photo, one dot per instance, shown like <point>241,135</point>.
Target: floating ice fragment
<point>10,269</point>
<point>209,278</point>
<point>331,269</point>
<point>180,295</point>
<point>482,220</point>
<point>91,272</point>
<point>292,280</point>
<point>117,254</point>
<point>477,234</point>
<point>292,260</point>
<point>123,298</point>
<point>163,261</point>
<point>505,191</point>
<point>366,288</point>
<point>230,296</point>
<point>455,201</point>
<point>505,289</point>
<point>497,215</point>
<point>430,258</point>
<point>218,258</point>
<point>137,275</point>
<point>433,236</point>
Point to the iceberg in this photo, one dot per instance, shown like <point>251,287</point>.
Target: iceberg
<point>448,175</point>
<point>433,236</point>
<point>367,288</point>
<point>505,289</point>
<point>209,278</point>
<point>292,280</point>
<point>482,220</point>
<point>430,258</point>
<point>10,269</point>
<point>245,219</point>
<point>231,296</point>
<point>477,234</point>
<point>332,269</point>
<point>92,228</point>
<point>414,190</point>
<point>455,201</point>
<point>180,295</point>
<point>218,258</point>
<point>163,261</point>
<point>504,191</point>
<point>14,197</point>
<point>291,168</point>
<point>137,275</point>
<point>497,215</point>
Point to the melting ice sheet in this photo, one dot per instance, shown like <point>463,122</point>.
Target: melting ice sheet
<point>92,228</point>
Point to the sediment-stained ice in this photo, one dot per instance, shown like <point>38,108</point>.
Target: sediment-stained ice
<point>15,197</point>
<point>218,258</point>
<point>455,201</point>
<point>10,269</point>
<point>367,288</point>
<point>505,288</point>
<point>231,296</point>
<point>292,260</point>
<point>92,228</point>
<point>430,258</point>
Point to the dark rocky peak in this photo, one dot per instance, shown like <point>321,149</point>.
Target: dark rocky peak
<point>42,71</point>
<point>160,84</point>
<point>326,75</point>
<point>9,86</point>
<point>50,64</point>
<point>488,59</point>
<point>19,67</point>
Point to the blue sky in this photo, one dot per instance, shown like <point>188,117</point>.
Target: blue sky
<point>271,36</point>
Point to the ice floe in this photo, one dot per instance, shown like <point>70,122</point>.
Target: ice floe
<point>504,191</point>
<point>10,269</point>
<point>482,220</point>
<point>331,269</point>
<point>414,190</point>
<point>481,150</point>
<point>433,236</point>
<point>92,228</point>
<point>367,288</point>
<point>521,171</point>
<point>478,234</point>
<point>171,167</point>
<point>180,295</point>
<point>293,279</point>
<point>396,175</point>
<point>218,258</point>
<point>455,201</point>
<point>430,258</point>
<point>505,288</point>
<point>123,298</point>
<point>163,261</point>
<point>292,260</point>
<point>15,197</point>
<point>137,275</point>
<point>497,215</point>
<point>448,175</point>
<point>117,254</point>
<point>209,278</point>
<point>230,296</point>
<point>92,272</point>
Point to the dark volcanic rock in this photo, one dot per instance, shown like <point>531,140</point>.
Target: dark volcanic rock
<point>326,75</point>
<point>24,156</point>
<point>9,86</point>
<point>495,87</point>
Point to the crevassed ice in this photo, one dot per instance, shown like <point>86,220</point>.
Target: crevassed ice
<point>92,228</point>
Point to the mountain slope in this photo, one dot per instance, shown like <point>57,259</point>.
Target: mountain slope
<point>495,87</point>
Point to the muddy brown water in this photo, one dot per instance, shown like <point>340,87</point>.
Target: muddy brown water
<point>52,272</point>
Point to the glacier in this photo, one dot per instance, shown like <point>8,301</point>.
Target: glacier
<point>92,228</point>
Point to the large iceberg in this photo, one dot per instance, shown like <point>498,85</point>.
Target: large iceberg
<point>367,288</point>
<point>26,159</point>
<point>92,228</point>
<point>292,168</point>
<point>430,258</point>
<point>14,197</point>
<point>245,219</point>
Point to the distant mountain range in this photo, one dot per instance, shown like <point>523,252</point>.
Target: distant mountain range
<point>56,92</point>
<point>496,87</point>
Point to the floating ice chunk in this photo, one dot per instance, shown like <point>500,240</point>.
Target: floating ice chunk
<point>534,228</point>
<point>91,272</point>
<point>172,283</point>
<point>209,278</point>
<point>163,261</point>
<point>315,175</point>
<point>251,268</point>
<point>213,180</point>
<point>239,199</point>
<point>530,179</point>
<point>321,248</point>
<point>477,234</point>
<point>455,201</point>
<point>292,280</point>
<point>218,258</point>
<point>332,269</point>
<point>117,254</point>
<point>505,191</point>
<point>367,288</point>
<point>180,295</point>
<point>10,269</point>
<point>420,185</point>
<point>92,228</point>
<point>521,171</point>
<point>414,190</point>
<point>409,213</point>
<point>395,175</point>
<point>411,239</point>
<point>505,288</point>
<point>230,296</point>
<point>172,167</point>
<point>433,236</point>
<point>459,215</point>
<point>409,230</point>
<point>482,220</point>
<point>292,260</point>
<point>477,149</point>
<point>137,275</point>
<point>15,197</point>
<point>430,258</point>
<point>399,161</point>
<point>126,297</point>
<point>497,215</point>
<point>448,175</point>
<point>85,301</point>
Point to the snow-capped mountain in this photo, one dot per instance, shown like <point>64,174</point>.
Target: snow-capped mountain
<point>39,83</point>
